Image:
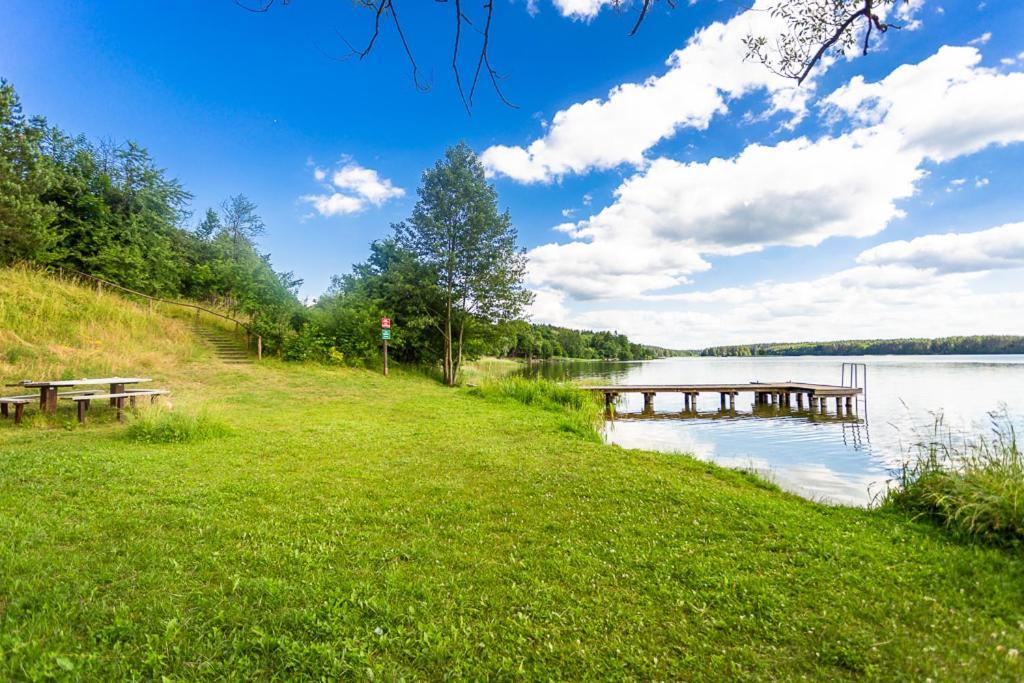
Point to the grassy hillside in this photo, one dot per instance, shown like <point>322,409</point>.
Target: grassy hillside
<point>54,328</point>
<point>337,524</point>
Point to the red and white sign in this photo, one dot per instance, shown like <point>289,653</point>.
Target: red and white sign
<point>385,323</point>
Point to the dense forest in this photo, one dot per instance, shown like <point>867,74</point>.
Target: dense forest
<point>549,341</point>
<point>877,347</point>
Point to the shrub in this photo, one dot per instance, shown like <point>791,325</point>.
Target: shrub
<point>973,487</point>
<point>174,427</point>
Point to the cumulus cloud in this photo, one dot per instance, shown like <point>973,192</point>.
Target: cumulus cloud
<point>702,77</point>
<point>668,217</point>
<point>996,248</point>
<point>944,107</point>
<point>890,301</point>
<point>581,9</point>
<point>352,188</point>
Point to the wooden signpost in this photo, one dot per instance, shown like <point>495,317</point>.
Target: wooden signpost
<point>385,334</point>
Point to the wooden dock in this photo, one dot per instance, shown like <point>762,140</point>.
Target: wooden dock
<point>780,394</point>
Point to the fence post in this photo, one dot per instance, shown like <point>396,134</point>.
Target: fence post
<point>259,347</point>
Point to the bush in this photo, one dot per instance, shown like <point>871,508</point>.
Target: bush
<point>172,427</point>
<point>581,412</point>
<point>973,487</point>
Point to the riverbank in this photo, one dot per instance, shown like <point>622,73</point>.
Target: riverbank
<point>294,521</point>
<point>349,524</point>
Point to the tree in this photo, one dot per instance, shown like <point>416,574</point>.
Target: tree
<point>240,222</point>
<point>25,218</point>
<point>457,232</point>
<point>812,28</point>
<point>209,226</point>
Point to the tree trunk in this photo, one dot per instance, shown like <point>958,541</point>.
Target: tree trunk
<point>458,362</point>
<point>449,379</point>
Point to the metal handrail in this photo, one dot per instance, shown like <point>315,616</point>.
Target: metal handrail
<point>857,371</point>
<point>196,307</point>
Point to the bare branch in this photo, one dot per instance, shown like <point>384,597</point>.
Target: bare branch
<point>459,16</point>
<point>485,61</point>
<point>640,19</point>
<point>831,41</point>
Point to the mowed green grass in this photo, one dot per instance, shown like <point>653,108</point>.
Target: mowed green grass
<point>352,526</point>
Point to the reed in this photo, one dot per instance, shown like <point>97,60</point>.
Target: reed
<point>581,412</point>
<point>973,486</point>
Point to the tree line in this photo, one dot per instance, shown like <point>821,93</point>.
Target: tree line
<point>450,276</point>
<point>109,211</point>
<point>975,344</point>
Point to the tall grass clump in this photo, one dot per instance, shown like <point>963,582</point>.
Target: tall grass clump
<point>974,487</point>
<point>581,411</point>
<point>161,426</point>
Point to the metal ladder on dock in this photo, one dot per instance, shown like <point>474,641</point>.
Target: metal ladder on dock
<point>855,375</point>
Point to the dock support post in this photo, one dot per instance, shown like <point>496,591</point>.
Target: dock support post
<point>732,401</point>
<point>849,404</point>
<point>693,401</point>
<point>723,400</point>
<point>800,401</point>
<point>775,398</point>
<point>811,401</point>
<point>648,402</point>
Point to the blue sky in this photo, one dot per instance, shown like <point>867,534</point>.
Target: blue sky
<point>712,204</point>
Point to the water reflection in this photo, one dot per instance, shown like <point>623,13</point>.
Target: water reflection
<point>820,456</point>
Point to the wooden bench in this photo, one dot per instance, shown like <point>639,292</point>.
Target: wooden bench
<point>19,404</point>
<point>117,399</point>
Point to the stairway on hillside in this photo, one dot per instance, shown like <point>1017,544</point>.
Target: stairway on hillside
<point>227,347</point>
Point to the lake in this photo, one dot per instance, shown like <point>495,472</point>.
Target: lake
<point>837,461</point>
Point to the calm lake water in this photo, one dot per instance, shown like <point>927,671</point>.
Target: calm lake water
<point>839,461</point>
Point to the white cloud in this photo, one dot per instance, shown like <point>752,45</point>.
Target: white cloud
<point>668,217</point>
<point>581,9</point>
<point>996,248</point>
<point>352,188</point>
<point>944,107</point>
<point>982,39</point>
<point>633,117</point>
<point>981,182</point>
<point>335,204</point>
<point>890,301</point>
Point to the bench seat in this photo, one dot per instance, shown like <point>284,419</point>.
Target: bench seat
<point>19,404</point>
<point>118,398</point>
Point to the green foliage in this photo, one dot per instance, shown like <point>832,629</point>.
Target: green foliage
<point>582,413</point>
<point>867,347</point>
<point>25,175</point>
<point>548,341</point>
<point>973,487</point>
<point>109,211</point>
<point>165,426</point>
<point>458,235</point>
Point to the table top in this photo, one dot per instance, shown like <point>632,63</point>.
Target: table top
<point>82,382</point>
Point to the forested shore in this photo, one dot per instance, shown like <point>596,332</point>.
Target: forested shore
<point>965,345</point>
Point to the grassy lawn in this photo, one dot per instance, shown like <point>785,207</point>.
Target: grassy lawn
<point>352,526</point>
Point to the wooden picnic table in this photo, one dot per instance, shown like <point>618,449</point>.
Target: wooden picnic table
<point>48,389</point>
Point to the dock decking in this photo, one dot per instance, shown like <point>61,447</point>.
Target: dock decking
<point>765,393</point>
